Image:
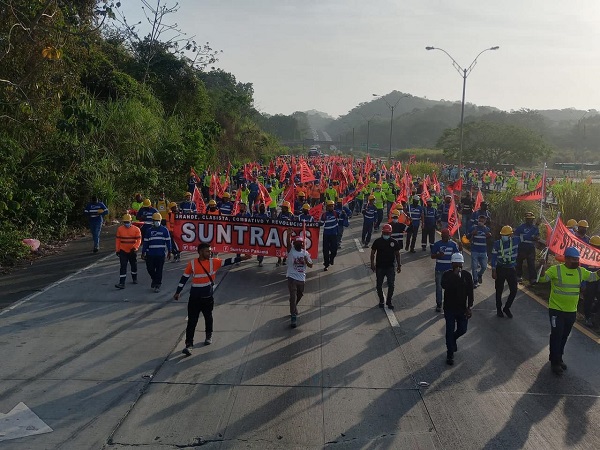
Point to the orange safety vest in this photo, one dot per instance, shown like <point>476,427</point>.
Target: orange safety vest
<point>199,276</point>
<point>128,238</point>
<point>171,222</point>
<point>216,212</point>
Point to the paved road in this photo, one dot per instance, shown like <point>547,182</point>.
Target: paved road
<point>103,367</point>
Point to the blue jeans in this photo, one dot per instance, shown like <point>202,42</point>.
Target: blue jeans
<point>438,287</point>
<point>478,264</point>
<point>95,228</point>
<point>456,326</point>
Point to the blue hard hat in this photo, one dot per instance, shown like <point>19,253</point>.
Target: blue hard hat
<point>572,252</point>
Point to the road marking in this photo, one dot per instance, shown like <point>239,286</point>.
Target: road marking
<point>53,285</point>
<point>392,318</point>
<point>358,246</point>
<point>20,422</point>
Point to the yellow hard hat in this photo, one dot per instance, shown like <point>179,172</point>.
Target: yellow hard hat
<point>301,194</point>
<point>506,230</point>
<point>147,202</point>
<point>529,215</point>
<point>464,239</point>
<point>595,241</point>
<point>330,203</point>
<point>285,204</point>
<point>583,223</point>
<point>571,223</point>
<point>126,218</point>
<point>371,197</point>
<point>212,203</point>
<point>172,204</point>
<point>156,216</point>
<point>188,194</point>
<point>306,206</point>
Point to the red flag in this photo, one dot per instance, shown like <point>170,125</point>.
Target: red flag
<point>289,194</point>
<point>306,175</point>
<point>478,200</point>
<point>265,194</point>
<point>194,174</point>
<point>199,201</point>
<point>425,192</point>
<point>413,158</point>
<point>316,211</point>
<point>435,183</point>
<point>456,186</point>
<point>271,169</point>
<point>536,194</point>
<point>284,170</point>
<point>453,219</point>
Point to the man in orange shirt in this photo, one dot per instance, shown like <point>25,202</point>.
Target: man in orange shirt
<point>203,271</point>
<point>315,195</point>
<point>129,239</point>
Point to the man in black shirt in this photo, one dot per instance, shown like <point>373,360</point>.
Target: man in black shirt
<point>466,209</point>
<point>458,301</point>
<point>387,251</point>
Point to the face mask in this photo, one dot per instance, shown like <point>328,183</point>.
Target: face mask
<point>505,238</point>
<point>415,203</point>
<point>394,220</point>
<point>482,224</point>
<point>213,208</point>
<point>157,223</point>
<point>298,247</point>
<point>127,224</point>
<point>386,236</point>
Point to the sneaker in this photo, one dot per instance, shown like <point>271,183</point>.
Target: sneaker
<point>390,306</point>
<point>152,286</point>
<point>412,250</point>
<point>95,250</point>
<point>381,305</point>
<point>557,369</point>
<point>278,264</point>
<point>479,280</point>
<point>187,351</point>
<point>134,282</point>
<point>325,269</point>
<point>449,358</point>
<point>120,286</point>
<point>499,313</point>
<point>260,264</point>
<point>208,340</point>
<point>294,321</point>
<point>438,309</point>
<point>156,289</point>
<point>424,248</point>
<point>284,262</point>
<point>563,366</point>
<point>475,285</point>
<point>508,313</point>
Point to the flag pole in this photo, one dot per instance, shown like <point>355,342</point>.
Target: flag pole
<point>543,192</point>
<point>546,251</point>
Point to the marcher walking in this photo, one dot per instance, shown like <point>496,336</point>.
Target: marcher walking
<point>95,211</point>
<point>442,252</point>
<point>458,301</point>
<point>529,234</point>
<point>157,243</point>
<point>203,271</point>
<point>479,235</point>
<point>128,241</point>
<point>565,282</point>
<point>296,273</point>
<point>385,262</point>
<point>330,223</point>
<point>504,261</point>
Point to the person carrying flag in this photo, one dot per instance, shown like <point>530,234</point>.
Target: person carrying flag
<point>296,272</point>
<point>305,214</point>
<point>430,220</point>
<point>187,206</point>
<point>344,214</point>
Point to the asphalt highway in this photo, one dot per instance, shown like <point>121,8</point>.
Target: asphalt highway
<point>103,367</point>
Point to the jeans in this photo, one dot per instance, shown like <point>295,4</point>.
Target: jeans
<point>478,264</point>
<point>390,274</point>
<point>411,236</point>
<point>561,323</point>
<point>329,248</point>
<point>359,205</point>
<point>296,288</point>
<point>456,326</point>
<point>367,231</point>
<point>526,254</point>
<point>154,266</point>
<point>379,218</point>
<point>438,287</point>
<point>427,233</point>
<point>95,228</point>
<point>124,258</point>
<point>197,305</point>
<point>509,275</point>
<point>466,220</point>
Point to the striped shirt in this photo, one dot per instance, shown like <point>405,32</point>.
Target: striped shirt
<point>156,241</point>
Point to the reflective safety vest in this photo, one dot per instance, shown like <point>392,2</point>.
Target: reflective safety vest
<point>200,277</point>
<point>161,205</point>
<point>128,238</point>
<point>566,285</point>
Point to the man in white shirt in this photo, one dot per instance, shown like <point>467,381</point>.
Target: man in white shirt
<point>298,260</point>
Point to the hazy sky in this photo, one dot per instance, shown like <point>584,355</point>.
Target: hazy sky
<point>331,55</point>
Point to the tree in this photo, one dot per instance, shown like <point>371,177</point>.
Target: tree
<point>493,143</point>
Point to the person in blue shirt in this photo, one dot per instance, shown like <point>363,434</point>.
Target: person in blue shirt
<point>415,212</point>
<point>344,214</point>
<point>157,243</point>
<point>226,206</point>
<point>529,234</point>
<point>504,261</point>
<point>305,216</point>
<point>442,252</point>
<point>329,222</point>
<point>254,191</point>
<point>95,211</point>
<point>443,210</point>
<point>430,219</point>
<point>187,206</point>
<point>145,214</point>
<point>479,235</point>
<point>369,213</point>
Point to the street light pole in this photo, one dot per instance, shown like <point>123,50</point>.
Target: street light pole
<point>391,120</point>
<point>368,128</point>
<point>464,73</point>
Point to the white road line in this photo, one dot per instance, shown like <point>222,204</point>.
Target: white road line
<point>392,318</point>
<point>358,246</point>
<point>52,285</point>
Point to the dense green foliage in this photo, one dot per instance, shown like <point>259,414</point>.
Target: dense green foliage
<point>84,113</point>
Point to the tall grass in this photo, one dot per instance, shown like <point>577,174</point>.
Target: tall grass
<point>579,201</point>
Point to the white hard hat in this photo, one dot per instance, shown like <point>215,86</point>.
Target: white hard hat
<point>457,258</point>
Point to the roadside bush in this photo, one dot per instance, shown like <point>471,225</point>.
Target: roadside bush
<point>10,243</point>
<point>578,201</point>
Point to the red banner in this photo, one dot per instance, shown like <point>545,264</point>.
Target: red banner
<point>478,200</point>
<point>453,220</point>
<point>245,235</point>
<point>456,186</point>
<point>563,238</point>
<point>306,175</point>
